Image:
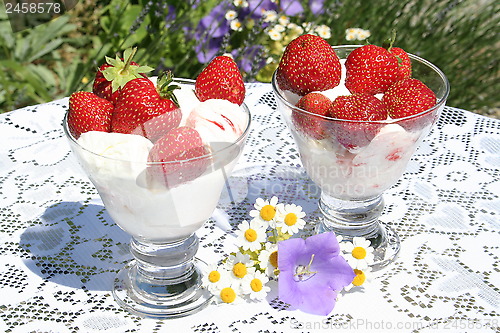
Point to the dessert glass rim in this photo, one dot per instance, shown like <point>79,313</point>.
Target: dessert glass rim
<point>439,101</point>
<point>211,154</point>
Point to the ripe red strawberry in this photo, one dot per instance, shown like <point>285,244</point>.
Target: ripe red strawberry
<point>140,102</point>
<point>409,97</point>
<point>308,64</point>
<point>404,62</point>
<point>311,125</point>
<point>88,112</point>
<point>370,69</point>
<point>179,151</point>
<point>115,73</point>
<point>221,79</point>
<point>360,107</point>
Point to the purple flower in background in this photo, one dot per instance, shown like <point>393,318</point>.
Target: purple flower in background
<point>312,272</point>
<point>317,6</point>
<point>210,33</point>
<point>291,7</point>
<point>249,59</point>
<point>257,7</point>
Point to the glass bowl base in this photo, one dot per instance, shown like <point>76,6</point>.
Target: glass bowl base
<point>157,299</point>
<point>384,240</point>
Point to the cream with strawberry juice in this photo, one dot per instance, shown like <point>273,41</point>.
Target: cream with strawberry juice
<point>160,172</point>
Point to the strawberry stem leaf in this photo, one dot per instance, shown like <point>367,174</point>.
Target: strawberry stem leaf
<point>166,88</point>
<point>388,43</point>
<point>120,72</point>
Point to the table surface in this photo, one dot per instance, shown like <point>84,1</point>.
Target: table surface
<point>59,249</point>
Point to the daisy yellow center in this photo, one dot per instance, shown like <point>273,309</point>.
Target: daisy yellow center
<point>256,285</point>
<point>290,219</point>
<point>251,235</point>
<point>267,212</point>
<point>214,276</point>
<point>273,259</point>
<point>359,252</point>
<point>240,270</point>
<point>228,295</point>
<point>359,279</point>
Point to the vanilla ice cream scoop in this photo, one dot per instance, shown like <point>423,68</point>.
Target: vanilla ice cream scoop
<point>217,121</point>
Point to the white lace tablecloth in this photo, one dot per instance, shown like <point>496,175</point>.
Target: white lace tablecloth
<point>59,249</point>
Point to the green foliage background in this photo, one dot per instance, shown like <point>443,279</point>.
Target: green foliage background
<point>57,58</point>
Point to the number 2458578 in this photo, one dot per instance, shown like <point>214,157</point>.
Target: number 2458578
<point>33,8</point>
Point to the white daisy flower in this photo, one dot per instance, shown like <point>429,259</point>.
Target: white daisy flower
<point>268,259</point>
<point>295,27</point>
<point>269,15</point>
<point>215,276</point>
<point>236,25</point>
<point>363,34</point>
<point>274,34</point>
<point>351,34</point>
<point>323,31</point>
<point>283,20</point>
<point>359,253</point>
<point>231,15</point>
<point>308,26</point>
<point>251,235</point>
<point>240,268</point>
<point>256,288</point>
<point>362,276</point>
<point>279,27</point>
<point>228,294</point>
<point>240,3</point>
<point>265,211</point>
<point>290,218</point>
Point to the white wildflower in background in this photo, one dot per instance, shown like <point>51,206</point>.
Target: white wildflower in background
<point>241,3</point>
<point>308,26</point>
<point>323,31</point>
<point>290,218</point>
<point>359,253</point>
<point>236,25</point>
<point>231,15</point>
<point>297,28</point>
<point>283,20</point>
<point>274,34</point>
<point>279,28</point>
<point>251,235</point>
<point>356,34</point>
<point>269,16</point>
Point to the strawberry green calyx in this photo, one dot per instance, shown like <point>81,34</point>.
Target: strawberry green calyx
<point>388,43</point>
<point>123,70</point>
<point>166,88</point>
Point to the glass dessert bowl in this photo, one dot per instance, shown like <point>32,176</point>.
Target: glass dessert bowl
<point>161,205</point>
<point>353,177</point>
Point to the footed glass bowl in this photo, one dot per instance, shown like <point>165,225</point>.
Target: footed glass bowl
<point>353,178</point>
<point>161,214</point>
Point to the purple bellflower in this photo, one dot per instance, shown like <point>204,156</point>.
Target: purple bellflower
<point>312,272</point>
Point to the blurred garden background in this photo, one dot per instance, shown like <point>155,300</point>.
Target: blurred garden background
<point>53,59</point>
